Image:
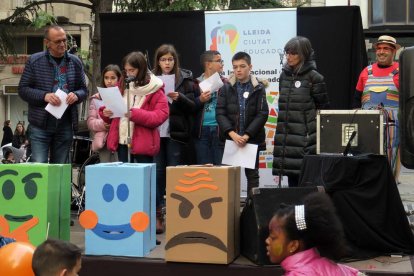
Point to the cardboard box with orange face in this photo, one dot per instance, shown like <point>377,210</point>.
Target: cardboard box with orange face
<point>203,212</point>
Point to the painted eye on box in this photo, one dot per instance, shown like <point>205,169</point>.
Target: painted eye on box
<point>185,207</point>
<point>206,210</point>
<point>108,192</point>
<point>122,192</point>
<point>30,189</point>
<point>8,189</point>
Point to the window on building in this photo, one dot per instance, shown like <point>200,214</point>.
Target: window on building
<point>34,44</point>
<point>411,12</point>
<point>391,12</point>
<point>27,45</point>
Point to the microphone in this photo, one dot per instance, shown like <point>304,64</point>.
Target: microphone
<point>348,145</point>
<point>129,79</point>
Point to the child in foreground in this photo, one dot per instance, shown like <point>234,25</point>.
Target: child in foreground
<point>300,235</point>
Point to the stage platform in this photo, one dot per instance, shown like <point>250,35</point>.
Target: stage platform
<point>154,264</point>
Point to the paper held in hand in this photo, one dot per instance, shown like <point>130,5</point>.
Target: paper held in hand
<point>113,101</point>
<point>169,84</point>
<point>239,156</point>
<point>57,111</point>
<point>212,83</point>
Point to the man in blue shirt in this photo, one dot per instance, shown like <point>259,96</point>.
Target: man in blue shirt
<point>206,132</point>
<point>45,73</point>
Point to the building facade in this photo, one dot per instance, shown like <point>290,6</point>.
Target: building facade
<point>76,20</point>
<point>392,17</point>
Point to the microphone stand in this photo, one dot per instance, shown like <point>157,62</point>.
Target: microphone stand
<point>127,81</point>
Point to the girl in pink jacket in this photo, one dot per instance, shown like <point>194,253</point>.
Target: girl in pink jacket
<point>136,133</point>
<point>111,75</point>
<point>299,235</point>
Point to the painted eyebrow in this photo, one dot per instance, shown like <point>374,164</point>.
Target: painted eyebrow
<point>30,176</point>
<point>211,200</point>
<point>180,198</point>
<point>7,172</point>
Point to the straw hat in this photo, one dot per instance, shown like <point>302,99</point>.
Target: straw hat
<point>388,40</point>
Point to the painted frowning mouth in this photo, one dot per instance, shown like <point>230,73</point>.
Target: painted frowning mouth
<point>18,218</point>
<point>196,237</point>
<point>113,232</point>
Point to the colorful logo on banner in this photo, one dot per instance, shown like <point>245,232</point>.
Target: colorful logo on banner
<point>224,35</point>
<point>263,35</point>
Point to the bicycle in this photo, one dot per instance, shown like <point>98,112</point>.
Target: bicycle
<point>78,188</point>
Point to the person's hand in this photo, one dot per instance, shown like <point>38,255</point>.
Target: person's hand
<point>239,140</point>
<point>205,96</point>
<point>107,113</point>
<point>128,114</point>
<point>52,99</point>
<point>173,95</point>
<point>107,126</point>
<point>72,98</point>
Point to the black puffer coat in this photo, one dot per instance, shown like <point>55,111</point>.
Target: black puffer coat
<point>182,110</point>
<point>301,94</point>
<point>256,112</point>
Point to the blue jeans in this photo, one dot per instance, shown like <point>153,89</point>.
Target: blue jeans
<point>207,146</point>
<point>53,143</point>
<point>134,158</point>
<point>169,155</point>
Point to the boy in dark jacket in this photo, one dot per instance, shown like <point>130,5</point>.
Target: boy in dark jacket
<point>242,111</point>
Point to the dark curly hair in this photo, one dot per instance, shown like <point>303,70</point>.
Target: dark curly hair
<point>324,229</point>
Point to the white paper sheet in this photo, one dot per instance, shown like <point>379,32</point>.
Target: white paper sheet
<point>57,111</point>
<point>213,83</point>
<point>98,103</point>
<point>239,156</point>
<point>113,100</point>
<point>169,82</point>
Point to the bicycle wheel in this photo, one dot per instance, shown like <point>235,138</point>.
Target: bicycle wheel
<point>91,160</point>
<point>78,190</point>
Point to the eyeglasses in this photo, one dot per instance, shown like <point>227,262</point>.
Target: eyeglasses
<point>219,61</point>
<point>170,60</point>
<point>58,42</point>
<point>290,53</point>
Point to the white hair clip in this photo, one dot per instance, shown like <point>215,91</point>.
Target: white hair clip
<point>300,217</point>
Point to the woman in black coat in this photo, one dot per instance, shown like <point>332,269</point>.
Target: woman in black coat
<point>19,137</point>
<point>302,91</point>
<point>7,133</point>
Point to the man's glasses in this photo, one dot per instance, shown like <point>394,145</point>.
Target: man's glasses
<point>290,53</point>
<point>58,42</point>
<point>219,61</point>
<point>170,60</point>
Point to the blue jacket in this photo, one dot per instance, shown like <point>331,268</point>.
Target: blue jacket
<point>37,81</point>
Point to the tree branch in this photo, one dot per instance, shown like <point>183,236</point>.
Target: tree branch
<point>19,11</point>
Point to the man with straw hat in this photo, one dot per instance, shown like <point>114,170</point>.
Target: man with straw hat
<point>378,88</point>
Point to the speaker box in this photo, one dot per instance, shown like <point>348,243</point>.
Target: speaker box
<point>256,215</point>
<point>407,107</point>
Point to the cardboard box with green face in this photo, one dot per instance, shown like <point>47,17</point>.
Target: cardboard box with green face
<point>35,201</point>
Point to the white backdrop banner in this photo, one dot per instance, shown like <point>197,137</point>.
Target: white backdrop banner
<point>262,34</point>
